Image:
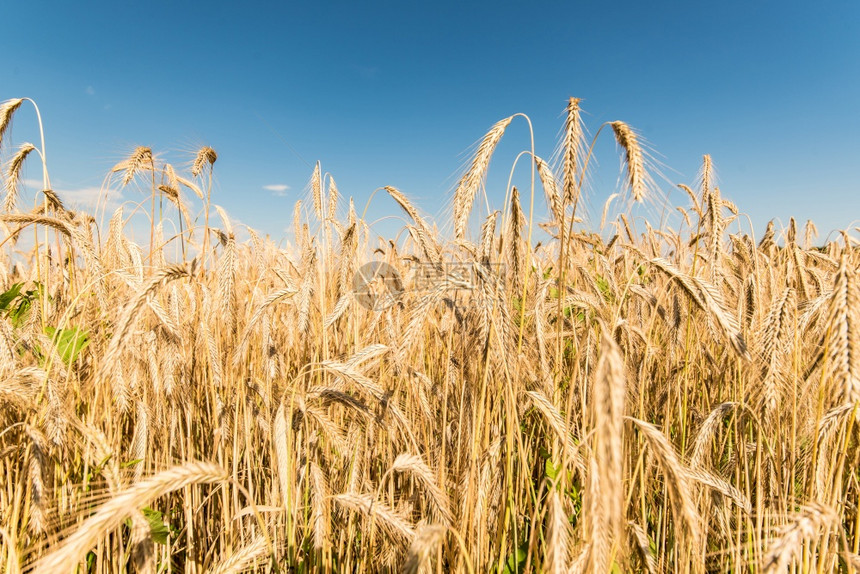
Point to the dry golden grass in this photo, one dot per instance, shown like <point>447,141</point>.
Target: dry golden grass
<point>660,400</point>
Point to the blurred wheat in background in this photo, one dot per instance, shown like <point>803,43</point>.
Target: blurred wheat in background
<point>199,399</point>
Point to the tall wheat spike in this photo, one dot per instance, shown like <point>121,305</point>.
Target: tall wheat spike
<point>609,399</point>
<point>572,149</point>
<point>557,555</point>
<point>474,176</point>
<point>633,159</point>
<point>317,191</point>
<point>13,175</point>
<point>7,110</point>
<point>554,196</point>
<point>843,333</point>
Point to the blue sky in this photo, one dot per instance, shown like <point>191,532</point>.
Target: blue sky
<point>395,93</point>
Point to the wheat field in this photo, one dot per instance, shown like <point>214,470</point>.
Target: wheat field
<point>650,398</point>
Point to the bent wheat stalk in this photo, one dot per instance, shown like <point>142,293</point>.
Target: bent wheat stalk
<point>110,515</point>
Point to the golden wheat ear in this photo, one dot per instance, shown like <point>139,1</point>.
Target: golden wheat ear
<point>471,181</point>
<point>7,110</point>
<point>427,540</point>
<point>634,159</point>
<point>138,160</point>
<point>13,175</point>
<point>572,148</point>
<point>206,156</point>
<point>808,525</point>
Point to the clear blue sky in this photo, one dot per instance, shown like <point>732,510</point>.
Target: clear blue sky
<point>395,93</point>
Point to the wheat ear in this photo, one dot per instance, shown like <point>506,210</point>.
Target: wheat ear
<point>414,465</point>
<point>131,310</point>
<point>708,299</point>
<point>427,539</point>
<point>557,555</point>
<point>471,180</point>
<point>687,524</point>
<point>426,239</point>
<point>139,159</point>
<point>572,148</point>
<point>13,175</point>
<point>205,156</point>
<point>842,339</point>
<point>803,527</point>
<point>244,558</point>
<point>7,109</point>
<point>609,399</point>
<point>702,442</point>
<point>394,525</point>
<point>633,159</point>
<point>553,195</point>
<point>316,191</point>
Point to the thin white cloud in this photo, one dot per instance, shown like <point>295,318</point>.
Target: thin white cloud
<point>86,198</point>
<point>83,198</point>
<point>91,91</point>
<point>278,189</point>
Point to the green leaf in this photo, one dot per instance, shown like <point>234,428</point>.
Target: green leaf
<point>604,287</point>
<point>157,527</point>
<point>70,342</point>
<point>515,562</point>
<point>10,295</point>
<point>19,313</point>
<point>550,470</point>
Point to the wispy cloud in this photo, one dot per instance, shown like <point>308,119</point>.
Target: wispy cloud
<point>91,91</point>
<point>86,198</point>
<point>278,189</point>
